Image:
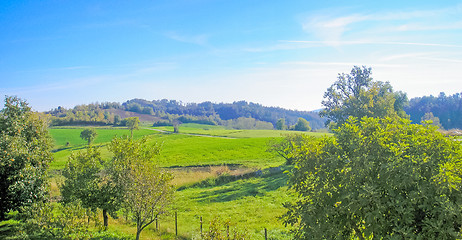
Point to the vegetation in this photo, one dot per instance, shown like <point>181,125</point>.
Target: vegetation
<point>24,156</point>
<point>377,178</point>
<point>88,183</point>
<point>132,124</point>
<point>356,94</point>
<point>88,134</point>
<point>146,188</point>
<point>448,109</point>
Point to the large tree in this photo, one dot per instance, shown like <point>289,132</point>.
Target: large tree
<point>358,95</point>
<point>86,180</point>
<point>24,156</point>
<point>147,190</point>
<point>380,178</point>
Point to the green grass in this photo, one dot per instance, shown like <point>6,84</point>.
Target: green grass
<point>184,150</point>
<point>193,128</point>
<point>251,204</point>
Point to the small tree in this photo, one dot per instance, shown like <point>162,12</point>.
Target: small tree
<point>87,181</point>
<point>146,188</point>
<point>378,178</point>
<point>24,156</point>
<point>133,124</point>
<point>281,124</point>
<point>431,119</point>
<point>302,125</point>
<point>88,134</point>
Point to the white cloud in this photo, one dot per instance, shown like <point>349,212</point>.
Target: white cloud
<point>200,39</point>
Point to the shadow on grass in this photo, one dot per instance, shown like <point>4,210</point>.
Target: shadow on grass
<point>256,186</point>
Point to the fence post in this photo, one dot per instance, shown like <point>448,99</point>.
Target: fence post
<point>176,224</point>
<point>201,226</point>
<point>266,234</point>
<point>227,231</point>
<point>157,225</point>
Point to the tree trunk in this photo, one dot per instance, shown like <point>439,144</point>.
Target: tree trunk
<point>138,233</point>
<point>105,219</point>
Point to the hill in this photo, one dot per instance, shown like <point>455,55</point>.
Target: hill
<point>169,110</point>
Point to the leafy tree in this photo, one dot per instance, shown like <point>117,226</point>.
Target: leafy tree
<point>286,146</point>
<point>133,124</point>
<point>429,117</point>
<point>147,191</point>
<point>88,134</point>
<point>281,124</point>
<point>302,125</point>
<point>24,156</point>
<point>87,181</point>
<point>378,178</point>
<point>358,95</point>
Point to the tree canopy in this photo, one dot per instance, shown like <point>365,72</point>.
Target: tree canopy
<point>147,190</point>
<point>385,178</point>
<point>87,181</point>
<point>88,134</point>
<point>24,156</point>
<point>358,95</point>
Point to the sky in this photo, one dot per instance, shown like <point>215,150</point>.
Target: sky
<point>276,53</point>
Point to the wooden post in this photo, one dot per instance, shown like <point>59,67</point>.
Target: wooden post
<point>266,234</point>
<point>201,226</point>
<point>176,224</point>
<point>227,231</point>
<point>157,225</point>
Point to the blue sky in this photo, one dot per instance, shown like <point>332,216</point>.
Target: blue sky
<point>277,53</point>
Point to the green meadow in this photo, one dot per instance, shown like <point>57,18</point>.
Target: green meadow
<point>208,163</point>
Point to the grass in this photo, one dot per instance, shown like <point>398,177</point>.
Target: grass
<point>193,128</point>
<point>197,163</point>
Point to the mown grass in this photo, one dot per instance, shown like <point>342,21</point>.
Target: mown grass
<point>193,128</point>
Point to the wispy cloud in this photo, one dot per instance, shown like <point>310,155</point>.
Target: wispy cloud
<point>334,28</point>
<point>340,43</point>
<point>200,39</point>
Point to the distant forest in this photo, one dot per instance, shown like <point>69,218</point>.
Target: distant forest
<point>166,111</point>
<point>448,109</point>
<point>241,114</point>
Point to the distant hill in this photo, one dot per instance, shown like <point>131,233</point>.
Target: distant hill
<point>169,110</point>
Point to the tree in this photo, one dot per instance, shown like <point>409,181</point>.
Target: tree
<point>302,125</point>
<point>87,181</point>
<point>133,124</point>
<point>430,118</point>
<point>88,134</point>
<point>147,190</point>
<point>24,156</point>
<point>358,95</point>
<point>378,178</point>
<point>286,146</point>
<point>281,124</point>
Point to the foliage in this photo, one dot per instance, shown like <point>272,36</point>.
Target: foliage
<point>132,124</point>
<point>380,178</point>
<point>431,119</point>
<point>24,156</point>
<point>302,125</point>
<point>448,109</point>
<point>357,95</point>
<point>91,114</point>
<point>146,188</point>
<point>284,147</point>
<point>45,220</point>
<point>220,230</point>
<point>88,134</point>
<point>86,181</point>
<point>281,124</point>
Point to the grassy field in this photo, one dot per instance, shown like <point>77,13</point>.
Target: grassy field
<point>198,162</point>
<point>220,131</point>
